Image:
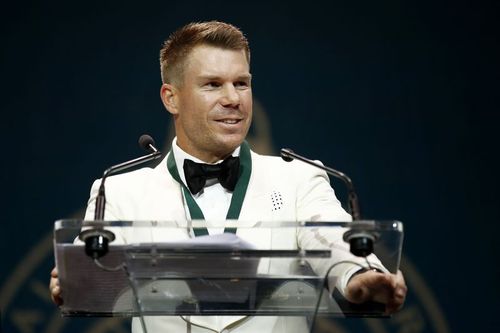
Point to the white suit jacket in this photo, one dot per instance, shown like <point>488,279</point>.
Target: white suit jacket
<point>277,191</point>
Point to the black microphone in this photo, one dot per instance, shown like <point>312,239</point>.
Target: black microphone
<point>147,143</point>
<point>97,239</point>
<point>288,155</point>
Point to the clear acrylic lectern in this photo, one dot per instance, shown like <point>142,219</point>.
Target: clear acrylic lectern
<point>158,268</point>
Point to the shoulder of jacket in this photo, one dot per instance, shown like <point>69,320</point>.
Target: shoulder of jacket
<point>136,177</point>
<point>294,166</point>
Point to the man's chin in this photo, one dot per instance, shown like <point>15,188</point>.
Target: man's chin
<point>226,146</point>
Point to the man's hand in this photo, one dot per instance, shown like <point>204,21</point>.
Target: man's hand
<point>55,289</point>
<point>386,288</point>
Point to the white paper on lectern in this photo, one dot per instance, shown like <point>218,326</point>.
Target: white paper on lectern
<point>225,241</point>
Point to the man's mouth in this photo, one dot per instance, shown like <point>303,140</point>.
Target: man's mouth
<point>229,121</point>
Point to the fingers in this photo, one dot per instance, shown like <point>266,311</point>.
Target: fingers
<point>54,287</point>
<point>389,289</point>
<point>55,291</point>
<point>357,293</point>
<point>399,295</point>
<point>360,288</point>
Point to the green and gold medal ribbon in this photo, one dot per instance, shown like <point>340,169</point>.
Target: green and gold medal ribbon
<point>238,194</point>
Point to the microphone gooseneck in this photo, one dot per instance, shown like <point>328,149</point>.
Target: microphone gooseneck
<point>147,143</point>
<point>360,240</point>
<point>97,239</point>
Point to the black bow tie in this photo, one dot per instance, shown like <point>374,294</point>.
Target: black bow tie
<point>226,172</point>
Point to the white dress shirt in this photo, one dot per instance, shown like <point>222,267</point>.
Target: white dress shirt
<point>214,200</point>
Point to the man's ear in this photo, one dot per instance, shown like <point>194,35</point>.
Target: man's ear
<point>168,94</point>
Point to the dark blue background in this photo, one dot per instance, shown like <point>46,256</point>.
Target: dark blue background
<point>403,96</point>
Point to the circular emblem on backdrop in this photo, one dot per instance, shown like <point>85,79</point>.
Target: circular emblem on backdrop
<point>26,306</point>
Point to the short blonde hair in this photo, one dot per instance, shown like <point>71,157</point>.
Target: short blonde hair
<point>177,47</point>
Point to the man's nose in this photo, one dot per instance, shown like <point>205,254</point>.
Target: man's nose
<point>230,97</point>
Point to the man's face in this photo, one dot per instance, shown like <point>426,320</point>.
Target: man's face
<point>213,107</point>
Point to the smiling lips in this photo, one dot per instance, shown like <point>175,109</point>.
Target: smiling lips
<point>229,121</point>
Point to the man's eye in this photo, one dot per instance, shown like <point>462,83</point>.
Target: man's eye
<point>241,84</point>
<point>212,84</point>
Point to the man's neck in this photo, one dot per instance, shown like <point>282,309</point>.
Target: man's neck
<point>207,156</point>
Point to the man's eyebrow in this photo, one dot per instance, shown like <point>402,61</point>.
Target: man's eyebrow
<point>245,76</point>
<point>217,77</point>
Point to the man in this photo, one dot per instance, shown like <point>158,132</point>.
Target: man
<point>205,70</point>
